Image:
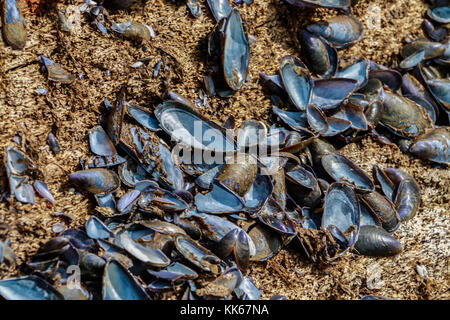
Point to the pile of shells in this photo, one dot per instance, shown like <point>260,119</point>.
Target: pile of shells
<point>188,204</point>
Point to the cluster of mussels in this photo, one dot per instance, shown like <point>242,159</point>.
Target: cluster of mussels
<point>185,204</point>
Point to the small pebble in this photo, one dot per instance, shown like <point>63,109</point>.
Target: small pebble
<point>137,64</point>
<point>54,144</point>
<point>422,271</point>
<point>59,227</point>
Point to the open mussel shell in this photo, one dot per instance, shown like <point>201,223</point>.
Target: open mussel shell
<point>169,176</point>
<point>227,243</point>
<point>241,251</point>
<point>162,227</point>
<point>433,146</point>
<point>440,88</point>
<point>96,181</point>
<point>185,125</point>
<point>170,95</point>
<point>42,189</point>
<point>303,187</point>
<point>194,8</point>
<point>219,8</point>
<point>377,242</point>
<point>197,254</point>
<point>430,108</point>
<point>404,117</point>
<point>296,120</point>
<point>219,200</point>
<point>235,51</point>
<point>143,117</point>
<point>205,180</point>
<point>407,194</point>
<point>341,168</point>
<point>55,72</point>
<point>28,288</point>
<point>16,162</point>
<point>111,251</point>
<point>388,77</point>
<point>24,192</point>
<point>267,243</point>
<point>100,143</point>
<point>96,229</point>
<point>368,217</point>
<point>259,193</point>
<point>436,33</point>
<point>297,81</point>
<point>387,186</point>
<point>316,119</point>
<point>159,285</point>
<point>354,115</point>
<point>143,253</point>
<point>238,173</point>
<point>246,290</point>
<point>321,57</point>
<point>215,228</point>
<point>277,221</point>
<point>341,214</point>
<point>131,173</point>
<point>79,239</point>
<point>119,284</point>
<point>175,272</point>
<point>413,60</point>
<point>432,49</point>
<point>341,31</point>
<point>358,71</point>
<point>227,282</point>
<point>329,93</point>
<point>336,126</point>
<point>440,13</point>
<point>146,185</point>
<point>127,202</point>
<point>415,91</point>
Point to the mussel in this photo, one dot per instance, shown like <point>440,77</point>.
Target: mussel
<point>375,241</point>
<point>342,31</point>
<point>96,181</point>
<point>13,22</point>
<point>321,57</point>
<point>403,116</point>
<point>433,146</point>
<point>235,51</point>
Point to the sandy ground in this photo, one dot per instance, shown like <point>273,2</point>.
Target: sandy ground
<point>69,111</point>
